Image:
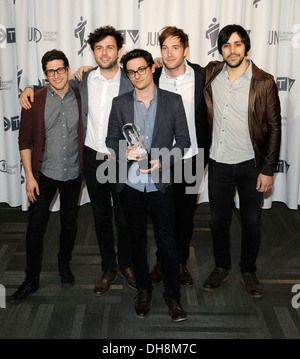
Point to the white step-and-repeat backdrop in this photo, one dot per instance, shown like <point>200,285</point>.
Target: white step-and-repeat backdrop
<point>29,28</point>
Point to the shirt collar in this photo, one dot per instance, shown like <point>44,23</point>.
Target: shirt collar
<point>97,74</point>
<point>247,73</point>
<point>154,96</point>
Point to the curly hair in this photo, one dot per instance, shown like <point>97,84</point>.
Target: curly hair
<point>102,32</point>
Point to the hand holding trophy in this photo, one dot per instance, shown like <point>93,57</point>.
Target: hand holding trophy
<point>133,138</point>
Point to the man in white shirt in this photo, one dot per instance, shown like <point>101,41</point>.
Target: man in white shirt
<point>186,79</point>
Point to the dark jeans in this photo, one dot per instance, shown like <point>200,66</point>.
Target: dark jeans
<point>100,196</point>
<point>161,208</point>
<point>38,218</point>
<point>222,181</point>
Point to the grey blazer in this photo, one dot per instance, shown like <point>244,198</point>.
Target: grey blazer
<point>125,86</point>
<point>170,124</point>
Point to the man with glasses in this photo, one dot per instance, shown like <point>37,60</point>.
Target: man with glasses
<point>160,119</point>
<point>98,87</point>
<point>51,146</point>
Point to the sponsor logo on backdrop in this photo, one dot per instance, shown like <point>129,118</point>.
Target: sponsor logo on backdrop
<point>11,123</point>
<point>255,3</point>
<point>153,38</point>
<point>2,166</point>
<point>34,34</point>
<point>10,170</point>
<point>79,33</point>
<point>133,35</point>
<point>212,34</point>
<point>285,83</point>
<point>5,84</point>
<point>277,36</point>
<point>7,35</point>
<point>282,167</point>
<point>296,38</point>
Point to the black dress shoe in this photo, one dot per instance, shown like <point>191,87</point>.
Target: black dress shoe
<point>214,280</point>
<point>24,290</point>
<point>143,303</point>
<point>66,277</point>
<point>156,274</point>
<point>176,311</point>
<point>252,285</point>
<point>185,277</point>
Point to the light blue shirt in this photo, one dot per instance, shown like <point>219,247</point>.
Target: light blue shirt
<point>144,120</point>
<point>231,141</point>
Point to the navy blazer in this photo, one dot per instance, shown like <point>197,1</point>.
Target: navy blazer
<point>200,107</point>
<point>170,124</point>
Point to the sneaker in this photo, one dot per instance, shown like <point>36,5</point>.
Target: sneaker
<point>156,274</point>
<point>253,287</point>
<point>214,280</point>
<point>185,277</point>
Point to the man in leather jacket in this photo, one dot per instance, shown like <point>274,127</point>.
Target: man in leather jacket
<point>244,122</point>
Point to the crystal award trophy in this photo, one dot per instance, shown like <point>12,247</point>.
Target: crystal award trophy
<point>133,138</point>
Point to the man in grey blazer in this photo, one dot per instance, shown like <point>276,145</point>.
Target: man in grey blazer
<point>160,118</point>
<point>98,87</point>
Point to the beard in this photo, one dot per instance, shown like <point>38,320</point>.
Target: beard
<point>234,64</point>
<point>108,65</point>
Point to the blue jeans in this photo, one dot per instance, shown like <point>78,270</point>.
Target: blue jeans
<point>38,218</point>
<point>223,179</point>
<point>161,210</point>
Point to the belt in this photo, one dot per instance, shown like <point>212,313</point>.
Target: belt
<point>99,155</point>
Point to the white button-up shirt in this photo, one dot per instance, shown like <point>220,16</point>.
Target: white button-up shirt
<point>184,85</point>
<point>100,95</point>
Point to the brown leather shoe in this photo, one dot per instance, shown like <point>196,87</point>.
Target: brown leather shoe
<point>103,284</point>
<point>129,276</point>
<point>215,279</point>
<point>143,303</point>
<point>176,311</point>
<point>156,274</point>
<point>253,287</point>
<point>185,277</point>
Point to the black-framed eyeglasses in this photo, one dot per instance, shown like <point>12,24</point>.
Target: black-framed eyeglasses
<point>141,71</point>
<point>60,71</point>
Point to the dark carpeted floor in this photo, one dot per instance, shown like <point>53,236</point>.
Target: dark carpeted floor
<point>54,312</point>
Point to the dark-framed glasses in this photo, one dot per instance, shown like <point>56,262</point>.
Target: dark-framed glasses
<point>60,71</point>
<point>141,71</point>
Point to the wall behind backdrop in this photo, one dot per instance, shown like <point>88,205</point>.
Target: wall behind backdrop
<point>29,28</point>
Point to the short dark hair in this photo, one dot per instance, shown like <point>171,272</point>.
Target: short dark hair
<point>134,54</point>
<point>227,31</point>
<point>102,32</point>
<point>54,55</point>
<point>173,31</point>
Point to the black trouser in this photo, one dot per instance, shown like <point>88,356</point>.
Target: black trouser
<point>185,206</point>
<point>161,208</point>
<point>222,181</point>
<point>100,196</point>
<point>38,217</point>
